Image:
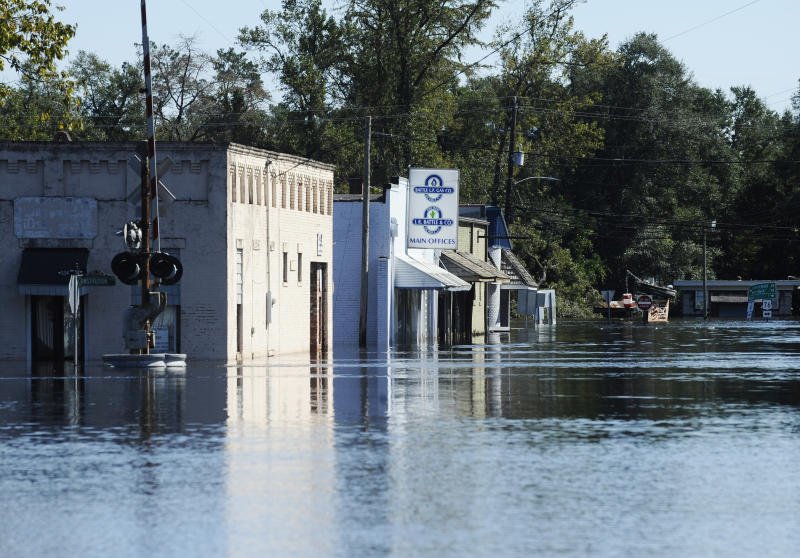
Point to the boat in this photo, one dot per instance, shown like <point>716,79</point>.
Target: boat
<point>656,291</point>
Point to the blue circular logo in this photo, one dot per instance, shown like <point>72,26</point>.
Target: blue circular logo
<point>434,188</point>
<point>432,220</point>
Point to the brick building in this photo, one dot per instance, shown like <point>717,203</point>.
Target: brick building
<point>252,228</point>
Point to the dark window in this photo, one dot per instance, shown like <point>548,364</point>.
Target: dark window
<point>299,268</point>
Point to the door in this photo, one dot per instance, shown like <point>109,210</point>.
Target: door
<point>53,332</point>
<point>319,310</point>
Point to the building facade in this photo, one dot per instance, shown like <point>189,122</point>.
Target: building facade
<point>728,298</point>
<point>403,302</point>
<point>252,228</point>
<point>518,286</point>
<point>465,317</point>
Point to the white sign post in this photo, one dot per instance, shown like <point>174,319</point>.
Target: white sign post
<point>432,209</point>
<point>766,308</point>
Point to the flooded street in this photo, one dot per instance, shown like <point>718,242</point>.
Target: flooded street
<point>588,439</point>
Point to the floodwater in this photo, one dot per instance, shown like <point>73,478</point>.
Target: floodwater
<point>587,439</point>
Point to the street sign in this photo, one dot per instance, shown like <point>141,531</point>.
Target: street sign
<point>96,281</point>
<point>74,294</point>
<point>761,291</point>
<point>644,302</point>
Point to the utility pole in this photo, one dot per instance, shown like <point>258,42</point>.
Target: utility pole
<point>145,226</point>
<point>365,187</point>
<point>149,178</point>
<point>705,266</point>
<point>511,148</point>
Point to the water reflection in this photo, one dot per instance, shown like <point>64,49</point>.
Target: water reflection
<point>588,439</point>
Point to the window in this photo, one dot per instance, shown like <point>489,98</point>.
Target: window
<point>283,192</point>
<point>250,199</point>
<point>239,275</point>
<point>299,268</point>
<point>286,267</point>
<point>233,185</point>
<point>274,180</point>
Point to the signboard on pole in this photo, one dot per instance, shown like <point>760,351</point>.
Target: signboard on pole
<point>74,297</point>
<point>96,281</point>
<point>644,302</point>
<point>761,291</point>
<point>766,308</point>
<point>432,209</point>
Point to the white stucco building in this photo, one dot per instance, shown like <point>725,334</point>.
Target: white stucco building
<point>252,228</point>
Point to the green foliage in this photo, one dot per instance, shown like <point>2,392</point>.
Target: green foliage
<point>110,98</point>
<point>645,159</point>
<point>37,109</point>
<point>31,39</point>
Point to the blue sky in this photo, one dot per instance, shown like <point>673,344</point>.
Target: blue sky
<point>722,42</point>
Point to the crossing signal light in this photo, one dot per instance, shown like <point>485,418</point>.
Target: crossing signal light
<point>127,267</point>
<point>167,268</point>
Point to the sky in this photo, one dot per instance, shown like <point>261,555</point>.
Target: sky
<point>723,43</point>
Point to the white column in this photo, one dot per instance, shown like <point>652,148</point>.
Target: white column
<point>493,293</point>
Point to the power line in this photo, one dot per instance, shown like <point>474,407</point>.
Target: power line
<point>712,20</point>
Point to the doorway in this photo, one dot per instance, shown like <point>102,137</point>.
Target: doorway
<point>53,332</point>
<point>319,310</point>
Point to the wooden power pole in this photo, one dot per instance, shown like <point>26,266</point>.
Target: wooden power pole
<point>365,188</point>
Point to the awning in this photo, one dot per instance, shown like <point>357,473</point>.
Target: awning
<point>471,268</point>
<point>45,271</point>
<point>415,274</point>
<point>520,277</point>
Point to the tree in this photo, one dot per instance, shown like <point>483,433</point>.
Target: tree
<point>404,62</point>
<point>37,109</point>
<point>654,181</point>
<point>180,85</point>
<point>234,107</point>
<point>111,99</point>
<point>31,39</point>
<point>302,45</point>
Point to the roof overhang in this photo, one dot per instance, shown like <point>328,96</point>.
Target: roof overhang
<point>515,269</point>
<point>471,268</point>
<point>411,273</point>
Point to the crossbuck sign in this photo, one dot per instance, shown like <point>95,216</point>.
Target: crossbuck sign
<point>433,209</point>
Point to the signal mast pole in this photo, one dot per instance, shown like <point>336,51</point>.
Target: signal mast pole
<point>149,175</point>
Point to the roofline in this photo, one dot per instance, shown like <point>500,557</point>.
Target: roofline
<point>171,145</point>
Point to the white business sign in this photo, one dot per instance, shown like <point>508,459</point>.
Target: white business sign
<point>432,209</point>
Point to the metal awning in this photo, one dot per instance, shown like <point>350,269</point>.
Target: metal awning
<point>45,271</point>
<point>520,277</point>
<point>415,274</point>
<point>471,268</point>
